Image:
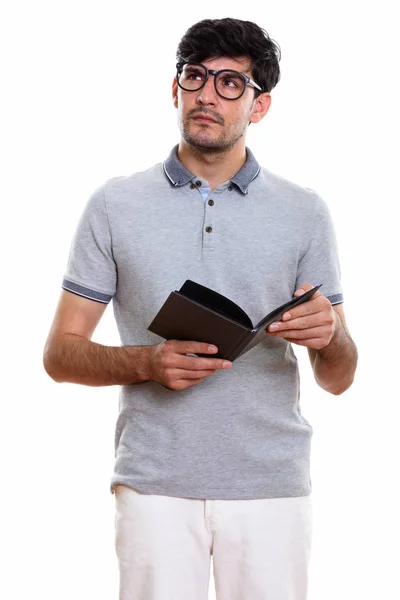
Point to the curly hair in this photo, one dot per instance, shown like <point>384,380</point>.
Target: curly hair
<point>214,38</point>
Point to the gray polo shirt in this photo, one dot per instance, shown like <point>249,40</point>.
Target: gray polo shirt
<point>256,238</point>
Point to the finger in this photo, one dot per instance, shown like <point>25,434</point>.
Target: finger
<point>198,363</point>
<point>305,287</point>
<point>303,322</point>
<point>312,306</point>
<point>300,291</point>
<point>299,334</point>
<point>181,384</point>
<point>185,374</point>
<point>191,347</point>
<point>185,383</point>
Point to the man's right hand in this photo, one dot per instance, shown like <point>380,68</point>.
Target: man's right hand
<point>170,366</point>
<point>71,356</point>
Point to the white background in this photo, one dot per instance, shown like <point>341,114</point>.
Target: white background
<point>77,108</point>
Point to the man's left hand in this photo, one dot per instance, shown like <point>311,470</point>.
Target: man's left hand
<point>312,324</point>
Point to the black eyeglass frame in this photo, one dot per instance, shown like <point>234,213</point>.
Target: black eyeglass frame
<point>247,80</point>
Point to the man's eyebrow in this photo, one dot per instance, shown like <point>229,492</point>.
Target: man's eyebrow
<point>244,71</point>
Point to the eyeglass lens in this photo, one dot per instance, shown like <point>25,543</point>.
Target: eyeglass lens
<point>229,84</point>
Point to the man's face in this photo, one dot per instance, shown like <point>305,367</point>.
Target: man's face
<point>231,116</point>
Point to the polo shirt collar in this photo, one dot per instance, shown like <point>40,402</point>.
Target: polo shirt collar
<point>179,175</point>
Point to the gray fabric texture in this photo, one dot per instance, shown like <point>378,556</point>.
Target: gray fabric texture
<point>239,434</point>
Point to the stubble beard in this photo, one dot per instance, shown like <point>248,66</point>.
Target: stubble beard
<point>207,143</point>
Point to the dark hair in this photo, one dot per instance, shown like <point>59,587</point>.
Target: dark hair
<point>214,38</point>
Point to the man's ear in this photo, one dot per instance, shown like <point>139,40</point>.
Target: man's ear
<point>175,93</point>
<point>261,107</point>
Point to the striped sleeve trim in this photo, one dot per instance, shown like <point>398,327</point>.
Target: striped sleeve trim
<point>336,298</point>
<point>70,286</point>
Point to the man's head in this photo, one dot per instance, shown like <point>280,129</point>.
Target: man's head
<point>228,45</point>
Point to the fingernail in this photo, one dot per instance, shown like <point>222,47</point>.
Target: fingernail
<point>212,348</point>
<point>226,364</point>
<point>274,327</point>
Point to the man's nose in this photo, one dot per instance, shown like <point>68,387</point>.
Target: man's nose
<point>207,94</point>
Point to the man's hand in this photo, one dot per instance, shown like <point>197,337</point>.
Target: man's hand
<point>312,324</point>
<point>169,365</point>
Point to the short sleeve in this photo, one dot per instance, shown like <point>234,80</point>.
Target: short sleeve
<point>320,262</point>
<point>91,271</point>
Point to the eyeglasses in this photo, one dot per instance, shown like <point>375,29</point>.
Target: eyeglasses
<point>229,84</point>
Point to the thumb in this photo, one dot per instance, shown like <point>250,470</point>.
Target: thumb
<point>305,287</point>
<point>299,292</point>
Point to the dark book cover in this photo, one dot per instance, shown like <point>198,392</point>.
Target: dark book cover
<point>198,313</point>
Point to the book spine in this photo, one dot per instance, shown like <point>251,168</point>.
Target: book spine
<point>242,342</point>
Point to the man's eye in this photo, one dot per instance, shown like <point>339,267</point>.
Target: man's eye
<point>193,74</point>
<point>231,82</point>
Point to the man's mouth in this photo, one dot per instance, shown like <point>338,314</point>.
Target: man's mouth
<point>204,119</point>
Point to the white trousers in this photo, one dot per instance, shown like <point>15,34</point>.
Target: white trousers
<point>260,548</point>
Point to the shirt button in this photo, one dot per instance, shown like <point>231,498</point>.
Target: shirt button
<point>211,202</point>
<point>192,186</point>
<point>230,188</point>
<point>208,229</point>
<point>198,183</point>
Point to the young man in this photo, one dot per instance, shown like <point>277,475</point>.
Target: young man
<point>208,465</point>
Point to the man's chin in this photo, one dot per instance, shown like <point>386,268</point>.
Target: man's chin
<point>204,143</point>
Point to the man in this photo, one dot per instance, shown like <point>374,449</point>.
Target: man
<point>208,465</point>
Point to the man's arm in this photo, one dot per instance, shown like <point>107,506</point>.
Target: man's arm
<point>322,328</point>
<point>70,355</point>
<point>334,365</point>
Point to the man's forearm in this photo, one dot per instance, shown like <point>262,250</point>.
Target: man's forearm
<point>334,366</point>
<point>74,359</point>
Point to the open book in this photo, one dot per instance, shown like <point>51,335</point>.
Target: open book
<point>199,314</point>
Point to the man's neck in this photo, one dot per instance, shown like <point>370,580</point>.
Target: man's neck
<point>215,167</point>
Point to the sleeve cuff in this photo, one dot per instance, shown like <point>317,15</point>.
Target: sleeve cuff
<point>80,290</point>
<point>335,298</point>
